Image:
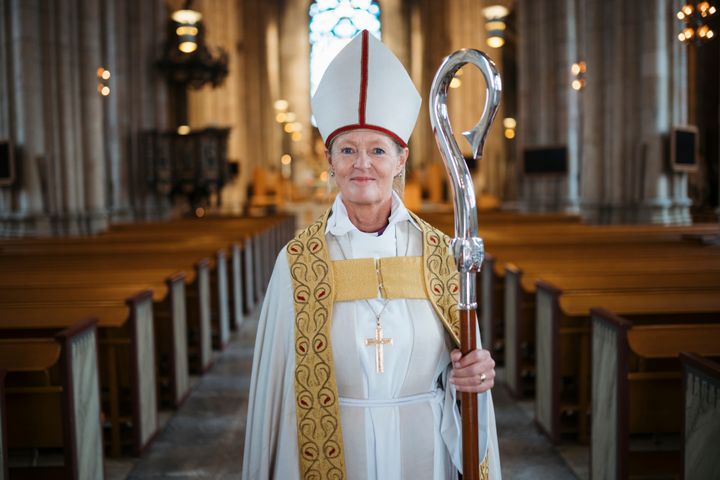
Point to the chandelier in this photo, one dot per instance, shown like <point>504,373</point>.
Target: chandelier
<point>495,25</point>
<point>696,16</point>
<point>186,59</point>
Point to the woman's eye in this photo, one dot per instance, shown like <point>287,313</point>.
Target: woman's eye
<point>346,150</point>
<point>378,151</point>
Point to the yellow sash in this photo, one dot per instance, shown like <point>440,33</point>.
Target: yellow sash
<point>317,284</point>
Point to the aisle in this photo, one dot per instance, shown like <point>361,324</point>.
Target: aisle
<point>204,439</point>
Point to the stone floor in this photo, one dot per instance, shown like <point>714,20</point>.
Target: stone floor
<point>204,439</point>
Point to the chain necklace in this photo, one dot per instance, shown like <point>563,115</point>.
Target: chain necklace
<point>377,341</point>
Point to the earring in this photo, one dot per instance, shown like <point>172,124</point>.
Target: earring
<point>332,173</point>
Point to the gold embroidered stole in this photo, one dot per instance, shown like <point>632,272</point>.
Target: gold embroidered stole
<point>316,395</point>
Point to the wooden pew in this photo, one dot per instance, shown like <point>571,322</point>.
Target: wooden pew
<point>506,232</point>
<point>3,429</point>
<point>53,401</point>
<point>521,307</point>
<point>169,310</point>
<point>254,234</point>
<point>127,358</point>
<point>636,394</point>
<point>490,298</point>
<point>590,259</point>
<point>701,417</point>
<point>169,314</point>
<point>502,242</point>
<point>89,256</point>
<point>563,352</point>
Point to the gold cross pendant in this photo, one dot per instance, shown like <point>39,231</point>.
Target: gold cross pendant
<point>378,342</point>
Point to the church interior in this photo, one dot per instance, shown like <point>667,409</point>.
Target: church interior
<point>157,155</point>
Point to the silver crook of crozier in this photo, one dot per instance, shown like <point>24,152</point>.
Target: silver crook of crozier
<point>467,248</point>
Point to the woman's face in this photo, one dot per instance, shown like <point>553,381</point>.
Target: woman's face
<point>365,162</point>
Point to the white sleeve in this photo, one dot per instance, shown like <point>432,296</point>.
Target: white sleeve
<point>451,428</point>
<point>271,431</point>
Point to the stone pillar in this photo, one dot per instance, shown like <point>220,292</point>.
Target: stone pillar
<point>430,44</point>
<point>259,117</point>
<point>25,205</point>
<point>678,91</point>
<point>395,24</point>
<point>635,92</point>
<point>114,24</point>
<point>549,110</point>
<point>571,125</point>
<point>223,105</point>
<point>466,30</point>
<point>93,164</point>
<point>295,88</point>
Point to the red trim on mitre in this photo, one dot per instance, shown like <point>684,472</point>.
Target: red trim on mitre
<point>358,126</point>
<point>363,77</point>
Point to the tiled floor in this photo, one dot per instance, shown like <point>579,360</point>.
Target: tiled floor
<point>204,439</point>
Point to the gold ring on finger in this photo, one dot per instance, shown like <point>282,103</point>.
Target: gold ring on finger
<point>483,377</point>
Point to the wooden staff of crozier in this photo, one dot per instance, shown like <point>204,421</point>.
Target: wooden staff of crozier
<point>466,246</point>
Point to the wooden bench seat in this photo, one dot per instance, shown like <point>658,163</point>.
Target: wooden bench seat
<point>169,313</point>
<point>701,417</point>
<point>636,261</point>
<point>562,339</point>
<point>99,269</point>
<point>127,357</point>
<point>52,401</point>
<point>636,393</point>
<point>86,259</point>
<point>264,237</point>
<point>147,250</point>
<point>503,241</point>
<point>520,306</point>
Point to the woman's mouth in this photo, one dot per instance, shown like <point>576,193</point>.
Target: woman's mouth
<point>362,179</point>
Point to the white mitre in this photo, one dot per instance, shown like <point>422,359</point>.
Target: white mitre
<point>366,86</point>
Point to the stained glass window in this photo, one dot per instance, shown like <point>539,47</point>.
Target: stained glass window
<point>333,23</point>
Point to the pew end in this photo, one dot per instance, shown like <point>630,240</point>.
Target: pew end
<point>636,393</point>
<point>57,410</point>
<point>519,345</point>
<point>701,417</point>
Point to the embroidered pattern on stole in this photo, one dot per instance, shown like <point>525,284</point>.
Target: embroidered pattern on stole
<point>316,395</point>
<point>442,282</point>
<point>317,404</point>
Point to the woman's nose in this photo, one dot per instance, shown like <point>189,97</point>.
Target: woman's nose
<point>362,160</point>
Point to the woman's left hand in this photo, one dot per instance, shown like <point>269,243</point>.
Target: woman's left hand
<point>474,372</point>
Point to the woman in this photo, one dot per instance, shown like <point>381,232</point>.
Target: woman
<point>356,370</point>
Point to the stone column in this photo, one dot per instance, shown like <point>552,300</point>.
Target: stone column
<point>93,164</point>
<point>430,44</point>
<point>295,88</point>
<point>678,90</point>
<point>222,105</point>
<point>25,202</point>
<point>113,27</point>
<point>665,198</point>
<point>572,127</point>
<point>467,30</point>
<point>256,113</point>
<point>547,47</point>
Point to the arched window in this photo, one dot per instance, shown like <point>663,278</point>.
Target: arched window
<point>332,24</point>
